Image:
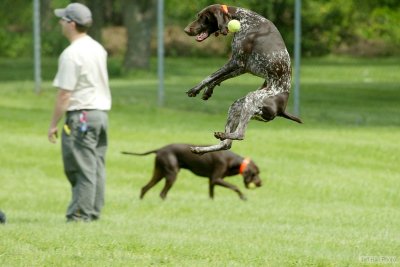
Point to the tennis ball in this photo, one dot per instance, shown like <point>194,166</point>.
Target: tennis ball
<point>234,25</point>
<point>252,185</point>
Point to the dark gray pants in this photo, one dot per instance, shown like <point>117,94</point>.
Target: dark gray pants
<point>83,152</point>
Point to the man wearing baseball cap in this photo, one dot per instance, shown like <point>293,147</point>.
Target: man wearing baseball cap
<point>84,97</point>
<point>75,12</point>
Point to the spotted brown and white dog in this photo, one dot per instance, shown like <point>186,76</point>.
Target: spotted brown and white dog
<point>257,48</point>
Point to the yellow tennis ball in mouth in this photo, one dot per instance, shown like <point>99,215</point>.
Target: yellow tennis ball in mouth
<point>252,185</point>
<point>234,25</point>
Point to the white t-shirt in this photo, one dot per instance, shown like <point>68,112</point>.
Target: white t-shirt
<point>82,69</point>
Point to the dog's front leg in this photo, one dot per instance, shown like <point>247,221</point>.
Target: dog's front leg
<point>221,182</point>
<point>209,81</point>
<point>210,87</point>
<point>218,173</point>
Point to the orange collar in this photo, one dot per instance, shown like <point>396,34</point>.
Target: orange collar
<point>243,165</point>
<point>224,9</point>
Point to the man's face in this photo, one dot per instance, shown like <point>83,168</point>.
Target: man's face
<point>66,26</point>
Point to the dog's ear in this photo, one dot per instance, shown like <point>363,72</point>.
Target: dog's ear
<point>222,20</point>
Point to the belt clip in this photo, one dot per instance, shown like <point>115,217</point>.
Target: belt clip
<point>83,121</point>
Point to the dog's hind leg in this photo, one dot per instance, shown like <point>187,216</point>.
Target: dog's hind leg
<point>239,132</point>
<point>157,176</point>
<point>234,114</point>
<point>211,188</point>
<point>223,145</point>
<point>239,115</point>
<point>169,181</point>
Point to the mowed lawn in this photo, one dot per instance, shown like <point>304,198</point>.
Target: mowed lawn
<point>331,186</point>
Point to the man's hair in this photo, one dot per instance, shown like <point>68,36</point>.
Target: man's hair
<point>80,28</point>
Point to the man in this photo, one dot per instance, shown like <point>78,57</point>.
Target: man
<point>2,217</point>
<point>84,97</point>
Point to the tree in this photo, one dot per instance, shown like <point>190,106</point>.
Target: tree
<point>97,8</point>
<point>139,17</point>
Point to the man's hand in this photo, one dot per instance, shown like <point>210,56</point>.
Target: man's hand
<point>52,134</point>
<point>61,104</point>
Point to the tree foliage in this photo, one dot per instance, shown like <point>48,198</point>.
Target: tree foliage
<point>362,27</point>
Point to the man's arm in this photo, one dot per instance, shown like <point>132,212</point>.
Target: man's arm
<point>60,107</point>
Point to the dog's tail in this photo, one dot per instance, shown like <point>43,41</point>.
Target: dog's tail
<point>290,117</point>
<point>140,154</point>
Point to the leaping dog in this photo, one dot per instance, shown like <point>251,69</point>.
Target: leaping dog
<point>257,48</point>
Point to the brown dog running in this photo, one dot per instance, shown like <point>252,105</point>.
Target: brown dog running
<point>257,48</point>
<point>216,166</point>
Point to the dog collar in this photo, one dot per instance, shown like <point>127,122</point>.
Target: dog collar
<point>243,165</point>
<point>224,9</point>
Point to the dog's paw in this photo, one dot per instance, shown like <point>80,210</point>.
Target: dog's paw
<point>194,91</point>
<point>208,92</point>
<point>243,197</point>
<point>191,93</point>
<point>205,96</point>
<point>220,135</point>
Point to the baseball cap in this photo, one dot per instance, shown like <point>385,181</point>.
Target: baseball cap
<point>76,12</point>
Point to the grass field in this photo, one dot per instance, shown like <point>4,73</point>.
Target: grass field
<point>331,185</point>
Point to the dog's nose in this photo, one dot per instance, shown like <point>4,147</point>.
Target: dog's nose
<point>188,29</point>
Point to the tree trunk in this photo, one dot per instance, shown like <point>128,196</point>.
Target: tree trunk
<point>97,8</point>
<point>139,17</point>
<point>46,16</point>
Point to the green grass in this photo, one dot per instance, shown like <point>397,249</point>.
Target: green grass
<point>331,185</point>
